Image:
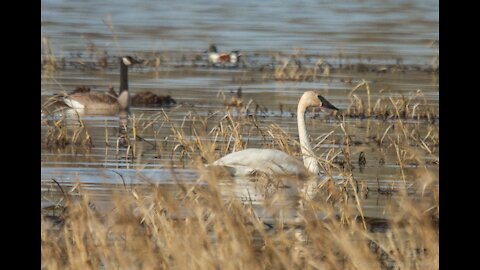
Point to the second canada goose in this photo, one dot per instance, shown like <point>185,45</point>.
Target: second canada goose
<point>149,98</point>
<point>83,98</point>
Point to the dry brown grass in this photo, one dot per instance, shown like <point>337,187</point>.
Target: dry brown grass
<point>197,226</point>
<point>62,130</point>
<point>291,69</point>
<point>49,61</point>
<point>413,106</point>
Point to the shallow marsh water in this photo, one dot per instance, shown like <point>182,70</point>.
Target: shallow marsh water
<point>387,44</point>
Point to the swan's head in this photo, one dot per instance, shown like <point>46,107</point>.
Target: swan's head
<point>128,60</point>
<point>314,99</point>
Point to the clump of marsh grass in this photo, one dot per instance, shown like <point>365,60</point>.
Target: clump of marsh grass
<point>414,106</point>
<point>196,227</point>
<point>100,55</point>
<point>210,137</point>
<point>49,60</point>
<point>408,141</point>
<point>299,67</point>
<point>222,132</point>
<point>62,130</point>
<point>292,69</point>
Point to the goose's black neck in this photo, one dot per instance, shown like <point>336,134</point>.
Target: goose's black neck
<point>123,76</point>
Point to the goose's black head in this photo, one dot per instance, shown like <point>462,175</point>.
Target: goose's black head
<point>128,60</point>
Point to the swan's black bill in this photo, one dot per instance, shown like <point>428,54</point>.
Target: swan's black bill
<point>326,104</point>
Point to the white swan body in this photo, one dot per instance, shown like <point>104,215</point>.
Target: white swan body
<point>253,160</point>
<point>276,162</point>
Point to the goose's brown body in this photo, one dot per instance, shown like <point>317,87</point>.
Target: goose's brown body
<point>85,99</point>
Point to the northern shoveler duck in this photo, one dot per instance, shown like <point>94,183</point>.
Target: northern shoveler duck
<point>214,57</point>
<point>84,98</point>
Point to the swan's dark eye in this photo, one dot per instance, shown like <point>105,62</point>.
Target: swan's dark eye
<point>320,98</point>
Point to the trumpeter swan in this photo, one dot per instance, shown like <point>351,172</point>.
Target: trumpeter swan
<point>272,161</point>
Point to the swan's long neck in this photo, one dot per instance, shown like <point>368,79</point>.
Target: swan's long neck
<point>308,156</point>
<point>124,95</point>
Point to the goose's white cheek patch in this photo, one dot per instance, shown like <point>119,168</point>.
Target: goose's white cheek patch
<point>126,61</point>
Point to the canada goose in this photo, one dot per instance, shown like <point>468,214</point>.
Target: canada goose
<point>272,161</point>
<point>149,98</point>
<point>84,98</point>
